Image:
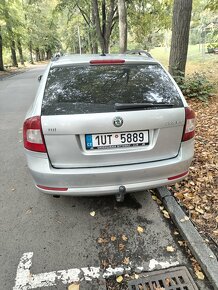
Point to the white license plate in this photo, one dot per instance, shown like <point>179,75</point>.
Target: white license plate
<point>116,140</point>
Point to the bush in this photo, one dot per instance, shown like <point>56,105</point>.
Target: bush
<point>196,86</point>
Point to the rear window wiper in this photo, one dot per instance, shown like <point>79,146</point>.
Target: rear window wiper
<point>129,106</point>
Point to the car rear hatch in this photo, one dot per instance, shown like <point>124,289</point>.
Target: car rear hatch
<point>106,115</point>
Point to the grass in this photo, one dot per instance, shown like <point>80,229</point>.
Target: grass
<point>196,61</point>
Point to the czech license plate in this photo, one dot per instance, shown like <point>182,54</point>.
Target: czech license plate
<point>116,140</point>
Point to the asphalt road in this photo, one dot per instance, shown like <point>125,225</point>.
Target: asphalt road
<point>61,233</point>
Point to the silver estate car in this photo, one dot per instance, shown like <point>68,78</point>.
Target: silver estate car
<point>107,125</point>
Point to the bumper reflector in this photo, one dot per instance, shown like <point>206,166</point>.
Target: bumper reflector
<point>52,188</point>
<point>178,176</point>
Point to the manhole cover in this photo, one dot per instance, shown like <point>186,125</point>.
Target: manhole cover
<point>169,279</point>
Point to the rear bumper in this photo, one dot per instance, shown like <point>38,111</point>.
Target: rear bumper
<point>107,180</point>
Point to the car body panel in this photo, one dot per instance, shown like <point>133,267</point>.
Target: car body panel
<point>65,137</point>
<point>106,180</point>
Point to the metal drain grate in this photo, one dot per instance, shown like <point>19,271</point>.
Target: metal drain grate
<point>169,279</point>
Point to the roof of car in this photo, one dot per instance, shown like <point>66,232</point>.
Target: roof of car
<point>86,58</point>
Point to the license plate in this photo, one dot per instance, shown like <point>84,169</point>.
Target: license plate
<point>116,140</point>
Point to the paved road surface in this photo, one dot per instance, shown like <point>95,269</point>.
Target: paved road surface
<point>60,232</point>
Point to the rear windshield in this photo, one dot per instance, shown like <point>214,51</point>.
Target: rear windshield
<point>92,89</point>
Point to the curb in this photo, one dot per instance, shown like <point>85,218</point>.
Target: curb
<point>196,244</point>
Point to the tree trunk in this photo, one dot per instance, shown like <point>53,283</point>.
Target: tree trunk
<point>42,54</point>
<point>180,36</point>
<point>109,26</point>
<point>94,35</point>
<point>122,25</point>
<point>98,26</point>
<point>31,52</point>
<point>1,54</point>
<point>13,54</point>
<point>104,33</point>
<point>48,54</point>
<point>37,54</point>
<point>19,47</point>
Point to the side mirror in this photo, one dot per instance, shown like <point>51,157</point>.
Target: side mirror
<point>39,78</point>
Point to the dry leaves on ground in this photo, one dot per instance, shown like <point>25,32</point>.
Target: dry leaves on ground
<point>119,279</point>
<point>140,230</point>
<point>170,249</point>
<point>198,192</point>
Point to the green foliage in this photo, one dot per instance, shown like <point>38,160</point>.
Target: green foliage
<point>212,5</point>
<point>196,86</point>
<point>213,45</point>
<point>147,20</point>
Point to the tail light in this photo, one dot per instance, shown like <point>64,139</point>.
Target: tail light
<point>32,135</point>
<point>189,129</point>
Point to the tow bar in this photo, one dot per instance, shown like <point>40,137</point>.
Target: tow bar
<point>120,196</point>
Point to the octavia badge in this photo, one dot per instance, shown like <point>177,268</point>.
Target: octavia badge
<point>118,121</point>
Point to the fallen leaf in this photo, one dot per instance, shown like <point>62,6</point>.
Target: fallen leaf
<point>168,282</point>
<point>200,275</point>
<point>154,197</point>
<point>113,238</point>
<point>166,214</point>
<point>215,232</point>
<point>179,195</point>
<point>136,276</point>
<point>28,211</point>
<point>73,287</point>
<point>216,219</point>
<point>181,243</point>
<point>170,249</point>
<point>101,240</point>
<point>124,238</point>
<point>186,218</point>
<point>201,211</point>
<point>159,202</point>
<point>104,263</point>
<point>176,233</point>
<point>156,287</point>
<point>119,279</point>
<point>126,261</point>
<point>92,213</point>
<point>121,247</point>
<point>140,230</point>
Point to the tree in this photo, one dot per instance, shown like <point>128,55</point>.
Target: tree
<point>180,36</point>
<point>108,20</point>
<point>1,52</point>
<point>9,20</point>
<point>147,21</point>
<point>212,5</point>
<point>122,25</point>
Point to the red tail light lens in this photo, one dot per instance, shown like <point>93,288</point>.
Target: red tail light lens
<point>32,135</point>
<point>178,176</point>
<point>52,188</point>
<point>189,129</point>
<point>107,61</point>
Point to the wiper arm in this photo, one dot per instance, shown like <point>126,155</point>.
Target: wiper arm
<point>129,106</point>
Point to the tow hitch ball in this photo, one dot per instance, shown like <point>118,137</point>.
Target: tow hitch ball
<point>120,196</point>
